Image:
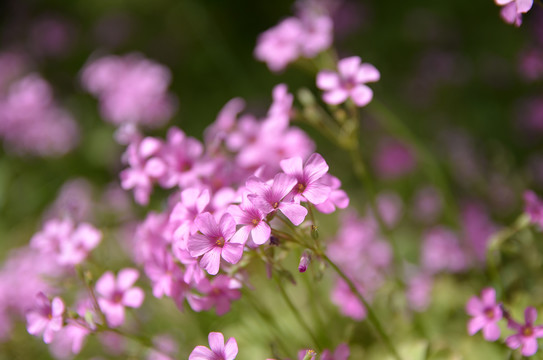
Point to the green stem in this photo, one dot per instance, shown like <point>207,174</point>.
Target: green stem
<point>372,316</point>
<point>495,243</point>
<point>297,313</point>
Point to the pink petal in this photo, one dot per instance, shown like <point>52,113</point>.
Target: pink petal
<point>57,307</point>
<point>155,167</point>
<point>199,244</point>
<point>530,315</point>
<point>336,96</point>
<point>292,166</point>
<point>114,313</point>
<point>149,146</point>
<point>503,2</point>
<point>524,5</point>
<point>476,324</point>
<point>488,297</point>
<point>241,235</point>
<point>367,73</point>
<point>48,335</point>
<point>260,203</point>
<point>201,353</point>
<point>231,349</point>
<point>232,252</point>
<point>211,261</point>
<point>530,347</point>
<point>282,185</point>
<point>261,233</point>
<point>294,212</point>
<point>315,167</point>
<point>216,342</point>
<point>105,286</point>
<point>513,341</point>
<point>35,323</point>
<point>340,198</point>
<point>491,332</point>
<point>316,193</point>
<point>133,297</point>
<point>361,95</point>
<point>348,67</point>
<point>206,223</point>
<point>474,306</point>
<point>126,278</point>
<point>509,13</point>
<point>255,185</point>
<point>227,226</point>
<point>327,80</point>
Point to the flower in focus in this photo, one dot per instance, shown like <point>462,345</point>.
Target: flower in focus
<point>486,314</point>
<point>116,293</point>
<point>309,187</point>
<point>348,82</point>
<point>218,351</point>
<point>527,334</point>
<point>214,242</point>
<point>45,318</point>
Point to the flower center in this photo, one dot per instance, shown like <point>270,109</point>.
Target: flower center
<point>117,297</point>
<point>489,313</point>
<point>527,331</point>
<point>300,187</point>
<point>255,221</point>
<point>275,205</point>
<point>220,242</point>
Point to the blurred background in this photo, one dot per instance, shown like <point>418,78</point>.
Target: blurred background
<point>466,85</point>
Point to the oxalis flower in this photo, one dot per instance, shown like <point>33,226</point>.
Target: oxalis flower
<point>349,82</point>
<point>214,242</point>
<point>486,314</point>
<point>527,334</point>
<point>309,187</point>
<point>218,351</point>
<point>45,318</point>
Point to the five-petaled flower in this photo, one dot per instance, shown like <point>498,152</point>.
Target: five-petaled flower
<point>527,333</point>
<point>349,82</point>
<point>486,314</point>
<point>218,351</point>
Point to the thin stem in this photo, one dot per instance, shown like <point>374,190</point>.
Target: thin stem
<point>297,313</point>
<point>372,317</point>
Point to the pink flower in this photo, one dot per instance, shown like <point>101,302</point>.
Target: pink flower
<point>486,314</point>
<point>214,242</point>
<point>513,9</point>
<point>252,221</point>
<point>45,318</point>
<point>441,251</point>
<point>279,45</point>
<point>349,82</point>
<point>218,351</point>
<point>116,293</point>
<point>533,207</point>
<point>393,159</point>
<point>527,334</point>
<point>337,197</point>
<point>309,187</point>
<point>220,292</point>
<point>269,198</point>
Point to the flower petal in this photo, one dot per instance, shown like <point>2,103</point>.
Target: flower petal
<point>476,324</point>
<point>348,67</point>
<point>227,226</point>
<point>530,315</point>
<point>261,233</point>
<point>530,347</point>
<point>199,244</point>
<point>315,167</point>
<point>201,353</point>
<point>294,212</point>
<point>211,261</point>
<point>491,332</point>
<point>231,349</point>
<point>216,342</point>
<point>327,80</point>
<point>282,184</point>
<point>232,252</point>
<point>367,73</point>
<point>361,95</point>
<point>133,297</point>
<point>126,278</point>
<point>105,286</point>
<point>292,166</point>
<point>205,222</point>
<point>335,96</point>
<point>316,193</point>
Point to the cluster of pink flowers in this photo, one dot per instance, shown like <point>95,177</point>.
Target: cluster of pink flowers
<point>32,123</point>
<point>230,188</point>
<point>218,350</point>
<point>132,90</point>
<point>306,35</point>
<point>364,257</point>
<point>512,10</point>
<point>486,313</point>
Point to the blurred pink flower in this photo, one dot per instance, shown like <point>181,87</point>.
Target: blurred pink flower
<point>486,314</point>
<point>46,318</point>
<point>394,159</point>
<point>527,334</point>
<point>218,351</point>
<point>349,82</point>
<point>512,10</point>
<point>116,293</point>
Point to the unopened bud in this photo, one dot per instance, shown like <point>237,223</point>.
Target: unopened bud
<point>314,232</point>
<point>88,277</point>
<point>304,261</point>
<point>274,240</point>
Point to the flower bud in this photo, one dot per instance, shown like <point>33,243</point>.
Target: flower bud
<point>304,261</point>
